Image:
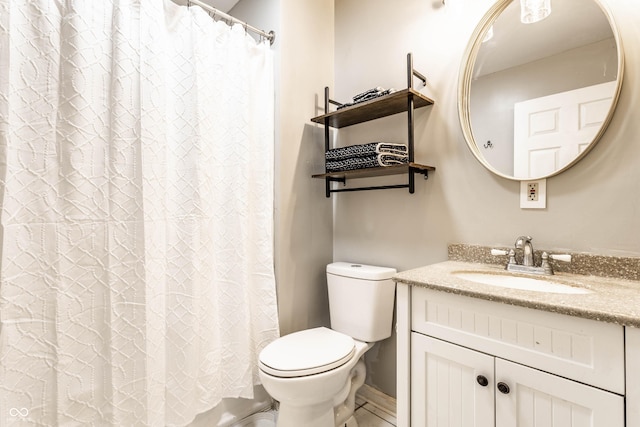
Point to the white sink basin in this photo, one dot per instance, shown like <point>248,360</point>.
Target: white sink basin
<point>522,283</point>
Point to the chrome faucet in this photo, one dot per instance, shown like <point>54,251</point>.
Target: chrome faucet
<point>524,243</point>
<point>527,265</point>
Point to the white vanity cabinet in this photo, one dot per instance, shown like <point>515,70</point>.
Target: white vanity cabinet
<point>444,389</point>
<point>632,346</point>
<point>455,386</point>
<point>466,361</point>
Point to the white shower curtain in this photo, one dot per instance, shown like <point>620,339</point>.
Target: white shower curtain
<point>136,187</point>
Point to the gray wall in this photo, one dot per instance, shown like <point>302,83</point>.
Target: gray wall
<point>303,217</point>
<point>593,207</point>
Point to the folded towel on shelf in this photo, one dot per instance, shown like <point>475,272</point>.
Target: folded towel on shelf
<point>352,163</point>
<point>392,148</point>
<point>363,162</point>
<point>392,159</point>
<point>367,95</point>
<point>365,150</point>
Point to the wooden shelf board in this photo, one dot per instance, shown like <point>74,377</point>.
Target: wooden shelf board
<point>374,109</point>
<point>371,172</point>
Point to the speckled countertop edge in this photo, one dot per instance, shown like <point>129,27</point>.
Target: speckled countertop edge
<point>611,300</point>
<point>581,263</point>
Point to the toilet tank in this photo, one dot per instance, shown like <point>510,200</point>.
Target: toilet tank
<point>361,300</point>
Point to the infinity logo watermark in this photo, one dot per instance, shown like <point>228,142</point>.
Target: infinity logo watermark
<point>18,412</point>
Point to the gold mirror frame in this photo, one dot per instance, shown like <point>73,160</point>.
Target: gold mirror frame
<point>466,74</point>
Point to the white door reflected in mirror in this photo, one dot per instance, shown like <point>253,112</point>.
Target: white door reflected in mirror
<point>551,131</point>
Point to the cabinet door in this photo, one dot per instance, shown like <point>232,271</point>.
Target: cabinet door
<point>632,342</point>
<point>445,390</point>
<point>539,399</point>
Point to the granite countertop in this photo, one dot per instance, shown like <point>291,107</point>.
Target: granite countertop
<point>611,300</point>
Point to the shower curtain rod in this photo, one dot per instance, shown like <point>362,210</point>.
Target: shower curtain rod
<point>271,36</point>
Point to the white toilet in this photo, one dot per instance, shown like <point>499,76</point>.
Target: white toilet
<point>315,373</point>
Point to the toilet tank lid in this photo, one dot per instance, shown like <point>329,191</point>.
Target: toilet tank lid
<point>360,271</point>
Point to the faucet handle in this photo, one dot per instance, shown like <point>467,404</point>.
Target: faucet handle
<point>558,257</point>
<point>561,257</point>
<point>498,252</point>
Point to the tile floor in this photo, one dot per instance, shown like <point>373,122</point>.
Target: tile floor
<point>374,409</point>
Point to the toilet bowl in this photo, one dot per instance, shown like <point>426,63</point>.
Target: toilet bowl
<point>315,373</point>
<point>307,393</point>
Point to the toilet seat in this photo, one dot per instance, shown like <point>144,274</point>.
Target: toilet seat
<point>307,352</point>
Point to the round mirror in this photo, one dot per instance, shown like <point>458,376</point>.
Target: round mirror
<point>535,98</point>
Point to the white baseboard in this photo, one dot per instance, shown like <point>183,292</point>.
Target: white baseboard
<point>378,398</point>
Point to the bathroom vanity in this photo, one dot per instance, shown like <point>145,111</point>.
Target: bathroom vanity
<point>471,353</point>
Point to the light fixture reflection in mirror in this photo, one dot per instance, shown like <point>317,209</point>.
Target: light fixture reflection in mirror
<point>532,11</point>
<point>574,52</point>
<point>489,35</point>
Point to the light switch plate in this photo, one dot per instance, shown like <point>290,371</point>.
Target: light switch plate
<point>533,194</point>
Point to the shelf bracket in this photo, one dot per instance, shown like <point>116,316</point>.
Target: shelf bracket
<point>421,76</point>
<point>412,72</point>
<point>423,172</point>
<point>343,180</point>
<point>328,180</point>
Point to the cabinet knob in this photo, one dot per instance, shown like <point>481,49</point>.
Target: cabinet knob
<point>482,380</point>
<point>503,388</point>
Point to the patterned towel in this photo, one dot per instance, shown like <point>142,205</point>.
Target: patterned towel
<point>363,150</point>
<point>371,161</point>
<point>392,159</point>
<point>367,95</point>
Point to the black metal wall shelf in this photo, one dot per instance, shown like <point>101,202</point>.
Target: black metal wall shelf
<point>374,109</point>
<point>371,172</point>
<point>406,100</point>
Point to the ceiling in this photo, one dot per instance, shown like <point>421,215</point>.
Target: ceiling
<point>222,5</point>
<point>572,23</point>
